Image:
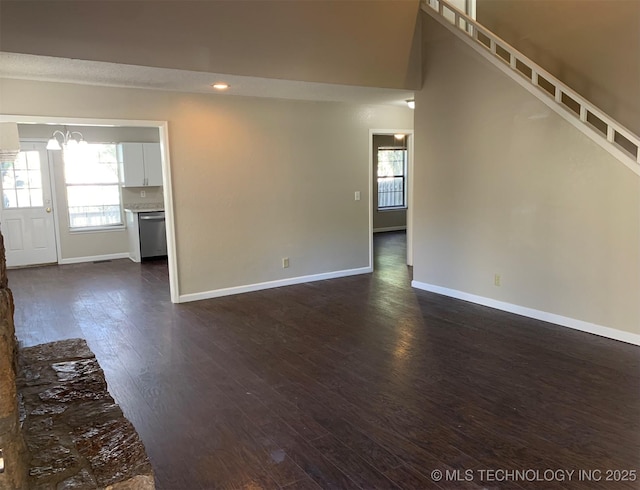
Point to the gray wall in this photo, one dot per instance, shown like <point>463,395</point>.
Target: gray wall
<point>253,179</point>
<point>593,46</point>
<point>385,220</point>
<point>504,185</point>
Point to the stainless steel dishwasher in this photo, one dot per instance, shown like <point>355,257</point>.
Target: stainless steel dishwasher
<point>153,235</point>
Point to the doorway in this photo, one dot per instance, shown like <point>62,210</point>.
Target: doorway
<point>391,172</point>
<point>27,220</point>
<point>57,185</point>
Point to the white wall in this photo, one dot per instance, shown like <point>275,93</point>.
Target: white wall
<point>504,185</point>
<point>254,180</point>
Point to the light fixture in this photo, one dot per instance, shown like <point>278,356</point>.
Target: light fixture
<point>411,103</point>
<point>70,139</point>
<point>220,86</point>
<point>9,142</point>
<point>398,136</point>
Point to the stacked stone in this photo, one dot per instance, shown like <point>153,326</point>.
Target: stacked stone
<point>14,476</point>
<point>77,435</point>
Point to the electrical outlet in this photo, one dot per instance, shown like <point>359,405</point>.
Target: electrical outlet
<point>285,262</point>
<point>496,280</point>
<point>143,194</point>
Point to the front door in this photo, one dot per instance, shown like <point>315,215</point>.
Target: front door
<point>27,213</point>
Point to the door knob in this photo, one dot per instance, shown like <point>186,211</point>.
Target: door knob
<point>48,210</point>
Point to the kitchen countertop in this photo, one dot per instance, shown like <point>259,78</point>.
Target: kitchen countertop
<point>146,207</point>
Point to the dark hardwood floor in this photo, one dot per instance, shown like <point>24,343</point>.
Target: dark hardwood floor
<point>360,382</point>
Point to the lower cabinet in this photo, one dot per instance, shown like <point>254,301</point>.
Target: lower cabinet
<point>134,235</point>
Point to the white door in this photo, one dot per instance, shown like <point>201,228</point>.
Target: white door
<point>27,213</point>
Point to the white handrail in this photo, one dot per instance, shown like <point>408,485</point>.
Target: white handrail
<point>567,101</point>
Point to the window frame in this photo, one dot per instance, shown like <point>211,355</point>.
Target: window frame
<point>405,169</point>
<point>26,171</point>
<point>118,184</point>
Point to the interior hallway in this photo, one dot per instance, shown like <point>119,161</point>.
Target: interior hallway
<point>360,382</point>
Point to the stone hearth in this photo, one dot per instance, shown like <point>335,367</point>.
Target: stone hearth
<point>75,432</point>
<point>59,426</point>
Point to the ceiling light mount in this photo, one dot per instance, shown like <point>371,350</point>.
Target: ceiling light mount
<point>220,85</point>
<point>68,140</point>
<point>411,103</point>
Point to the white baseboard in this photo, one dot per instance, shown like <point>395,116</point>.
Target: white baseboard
<point>94,258</point>
<point>389,228</point>
<point>217,293</point>
<point>563,321</point>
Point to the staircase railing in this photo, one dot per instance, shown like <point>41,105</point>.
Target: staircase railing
<point>603,129</point>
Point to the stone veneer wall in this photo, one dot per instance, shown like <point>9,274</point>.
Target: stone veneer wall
<point>12,443</point>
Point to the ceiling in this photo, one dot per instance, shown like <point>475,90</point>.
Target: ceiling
<point>364,52</point>
<point>592,46</point>
<point>66,70</point>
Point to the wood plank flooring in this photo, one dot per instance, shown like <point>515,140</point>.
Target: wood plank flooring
<point>360,382</point>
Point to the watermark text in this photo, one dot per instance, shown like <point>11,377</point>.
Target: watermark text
<point>534,475</point>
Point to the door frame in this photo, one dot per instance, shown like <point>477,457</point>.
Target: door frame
<point>163,132</point>
<point>409,133</point>
<point>52,191</point>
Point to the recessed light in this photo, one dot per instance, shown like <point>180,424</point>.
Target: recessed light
<point>411,103</point>
<point>220,86</point>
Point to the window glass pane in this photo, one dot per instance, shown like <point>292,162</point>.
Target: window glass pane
<point>37,199</point>
<point>8,176</point>
<point>93,195</point>
<point>33,160</point>
<point>23,198</point>
<point>391,162</point>
<point>93,189</point>
<point>10,199</point>
<point>86,216</point>
<point>390,192</point>
<point>21,161</point>
<point>22,179</point>
<point>91,164</point>
<point>34,178</point>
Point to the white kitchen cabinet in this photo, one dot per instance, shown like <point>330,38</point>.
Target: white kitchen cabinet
<point>133,235</point>
<point>140,164</point>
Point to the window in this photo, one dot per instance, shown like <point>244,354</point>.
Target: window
<point>392,167</point>
<point>93,188</point>
<point>22,181</point>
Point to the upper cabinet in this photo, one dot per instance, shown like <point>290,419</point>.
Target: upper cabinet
<point>140,164</point>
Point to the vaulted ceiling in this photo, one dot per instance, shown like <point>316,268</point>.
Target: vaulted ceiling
<point>365,43</point>
<point>591,45</point>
